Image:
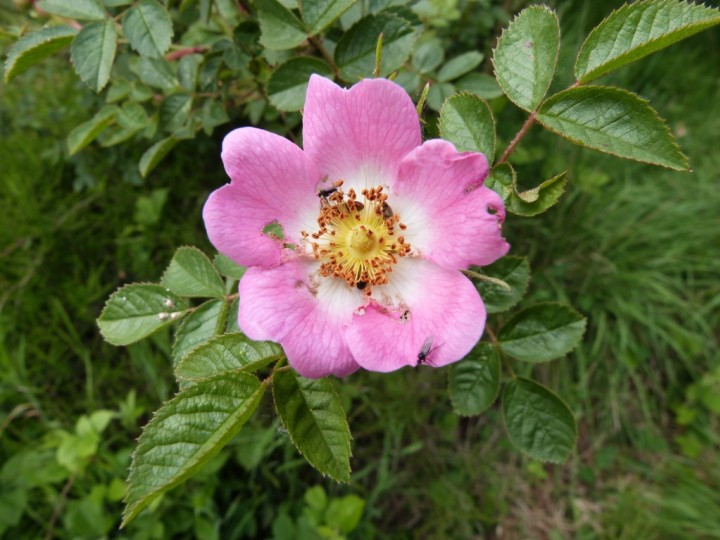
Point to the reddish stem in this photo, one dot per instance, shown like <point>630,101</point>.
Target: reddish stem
<point>176,55</point>
<point>516,140</point>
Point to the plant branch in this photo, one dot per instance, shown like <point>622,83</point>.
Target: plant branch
<point>518,137</point>
<point>325,54</point>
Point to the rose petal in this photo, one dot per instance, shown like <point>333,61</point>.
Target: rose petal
<point>272,180</point>
<point>361,134</point>
<point>442,306</point>
<point>277,304</point>
<point>451,218</point>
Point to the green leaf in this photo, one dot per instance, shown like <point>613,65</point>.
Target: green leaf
<point>526,56</point>
<point>83,10</point>
<point>136,311</point>
<point>197,328</point>
<point>227,353</point>
<point>288,83</point>
<point>156,72</point>
<point>185,433</point>
<point>481,84</point>
<point>503,181</point>
<point>637,30</point>
<point>319,14</point>
<point>538,199</point>
<point>438,94</point>
<point>467,121</point>
<point>193,275</point>
<point>280,29</point>
<point>515,271</point>
<point>148,27</point>
<point>227,267</point>
<point>93,53</point>
<point>475,380</point>
<point>542,332</point>
<point>313,415</point>
<point>613,121</point>
<point>155,154</point>
<point>355,52</point>
<point>537,421</point>
<point>36,46</point>
<point>175,111</point>
<point>88,131</point>
<point>428,55</point>
<point>460,65</point>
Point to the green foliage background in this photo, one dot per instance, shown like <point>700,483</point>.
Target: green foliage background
<point>631,247</point>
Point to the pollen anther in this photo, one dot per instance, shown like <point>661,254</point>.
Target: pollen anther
<point>352,237</point>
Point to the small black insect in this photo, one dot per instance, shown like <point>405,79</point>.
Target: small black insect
<point>424,350</point>
<point>325,193</point>
<point>387,211</point>
<point>361,285</point>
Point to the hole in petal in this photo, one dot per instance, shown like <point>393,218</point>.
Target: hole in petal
<point>274,230</point>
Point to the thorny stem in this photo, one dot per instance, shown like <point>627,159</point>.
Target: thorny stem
<point>518,137</point>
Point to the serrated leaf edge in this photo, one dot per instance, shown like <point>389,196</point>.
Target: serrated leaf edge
<point>491,159</point>
<point>132,510</point>
<point>210,262</point>
<point>497,391</point>
<point>646,102</point>
<point>590,75</point>
<point>557,54</point>
<point>502,408</point>
<point>345,424</point>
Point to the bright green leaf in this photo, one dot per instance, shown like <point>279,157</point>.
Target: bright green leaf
<point>93,53</point>
<point>475,380</point>
<point>542,332</point>
<point>526,56</point>
<point>193,275</point>
<point>355,52</point>
<point>288,83</point>
<point>83,10</point>
<point>459,66</point>
<point>148,28</point>
<point>313,415</point>
<point>280,29</point>
<point>197,328</point>
<point>319,14</point>
<point>515,271</point>
<point>185,433</point>
<point>481,84</point>
<point>36,46</point>
<point>613,121</point>
<point>154,155</point>
<point>88,131</point>
<point>538,199</point>
<point>227,267</point>
<point>227,353</point>
<point>344,513</point>
<point>136,311</point>
<point>467,121</point>
<point>428,55</point>
<point>638,29</point>
<point>538,421</point>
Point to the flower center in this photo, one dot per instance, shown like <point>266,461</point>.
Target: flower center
<point>355,240</point>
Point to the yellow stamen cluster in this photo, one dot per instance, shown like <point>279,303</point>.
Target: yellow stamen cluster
<point>356,240</point>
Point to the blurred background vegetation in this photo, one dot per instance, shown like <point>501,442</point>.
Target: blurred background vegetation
<point>632,247</point>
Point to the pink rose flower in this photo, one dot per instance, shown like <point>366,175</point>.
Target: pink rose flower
<point>377,227</point>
